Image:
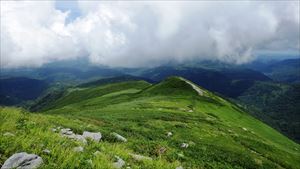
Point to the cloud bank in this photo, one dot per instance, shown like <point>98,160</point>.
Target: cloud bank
<point>133,34</point>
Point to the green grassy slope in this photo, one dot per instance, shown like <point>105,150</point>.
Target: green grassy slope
<point>219,134</point>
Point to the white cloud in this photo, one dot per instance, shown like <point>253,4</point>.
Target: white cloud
<point>146,33</point>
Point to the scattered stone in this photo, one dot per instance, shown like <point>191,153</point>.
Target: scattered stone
<point>66,131</point>
<point>139,157</point>
<point>179,167</point>
<point>46,151</point>
<point>79,138</point>
<point>23,161</point>
<point>78,149</point>
<point>190,111</point>
<point>169,134</point>
<point>119,162</point>
<point>93,136</point>
<point>184,145</point>
<point>9,134</point>
<point>53,129</point>
<point>119,137</point>
<point>245,129</point>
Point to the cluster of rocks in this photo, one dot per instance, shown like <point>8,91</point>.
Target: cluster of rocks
<point>94,136</point>
<point>24,160</point>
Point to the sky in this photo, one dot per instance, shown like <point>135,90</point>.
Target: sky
<point>148,33</point>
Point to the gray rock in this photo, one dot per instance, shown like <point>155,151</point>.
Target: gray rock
<point>93,136</point>
<point>139,157</point>
<point>119,163</point>
<point>78,138</point>
<point>179,167</point>
<point>78,149</point>
<point>119,137</point>
<point>184,145</point>
<point>23,161</point>
<point>9,134</point>
<point>169,134</point>
<point>66,131</point>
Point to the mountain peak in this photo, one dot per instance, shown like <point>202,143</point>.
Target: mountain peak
<point>175,85</point>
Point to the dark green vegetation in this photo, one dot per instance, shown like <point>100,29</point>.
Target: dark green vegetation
<point>15,90</point>
<point>280,104</point>
<point>287,71</point>
<point>219,134</point>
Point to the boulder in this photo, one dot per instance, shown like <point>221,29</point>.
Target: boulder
<point>91,135</point>
<point>23,161</point>
<point>77,137</point>
<point>179,167</point>
<point>119,162</point>
<point>119,137</point>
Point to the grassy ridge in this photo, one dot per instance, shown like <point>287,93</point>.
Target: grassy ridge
<point>219,134</point>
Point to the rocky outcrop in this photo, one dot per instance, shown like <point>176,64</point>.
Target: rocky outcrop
<point>119,162</point>
<point>91,135</point>
<point>23,161</point>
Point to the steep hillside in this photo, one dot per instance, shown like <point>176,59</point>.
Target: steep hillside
<point>276,104</point>
<point>174,123</point>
